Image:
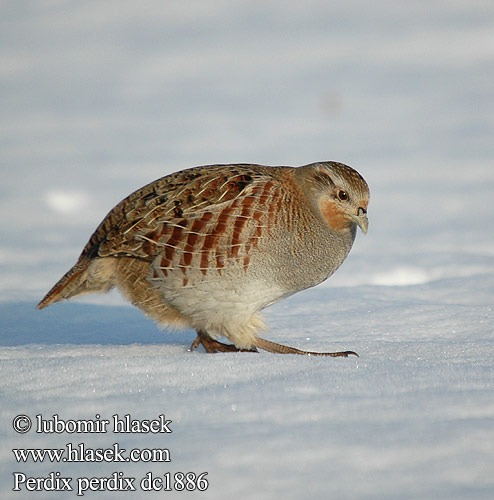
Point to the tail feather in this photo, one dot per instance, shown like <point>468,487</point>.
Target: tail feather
<point>86,276</point>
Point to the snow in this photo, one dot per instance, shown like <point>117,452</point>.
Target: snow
<point>100,98</point>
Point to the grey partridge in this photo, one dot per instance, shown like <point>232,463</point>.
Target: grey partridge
<point>211,246</point>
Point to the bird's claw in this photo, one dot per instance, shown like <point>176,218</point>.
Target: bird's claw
<point>212,346</point>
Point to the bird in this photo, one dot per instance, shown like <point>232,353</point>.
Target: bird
<point>209,247</point>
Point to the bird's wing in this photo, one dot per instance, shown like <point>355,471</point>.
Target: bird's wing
<point>183,210</point>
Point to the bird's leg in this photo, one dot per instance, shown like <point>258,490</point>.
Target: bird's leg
<point>211,345</point>
<point>283,349</point>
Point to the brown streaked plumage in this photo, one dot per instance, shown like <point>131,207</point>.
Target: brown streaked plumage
<point>211,246</point>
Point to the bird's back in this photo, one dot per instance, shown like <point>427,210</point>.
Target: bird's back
<point>190,220</point>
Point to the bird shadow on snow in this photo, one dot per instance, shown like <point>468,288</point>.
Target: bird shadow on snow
<point>460,304</point>
<point>82,324</point>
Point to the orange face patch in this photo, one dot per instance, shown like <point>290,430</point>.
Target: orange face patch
<point>334,215</point>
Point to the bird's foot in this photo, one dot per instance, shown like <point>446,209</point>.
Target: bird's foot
<point>211,345</point>
<point>284,349</point>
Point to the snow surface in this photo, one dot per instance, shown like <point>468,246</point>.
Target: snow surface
<point>99,98</point>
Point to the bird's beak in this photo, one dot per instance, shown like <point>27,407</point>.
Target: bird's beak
<point>361,219</point>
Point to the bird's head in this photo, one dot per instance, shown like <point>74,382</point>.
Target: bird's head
<point>340,194</point>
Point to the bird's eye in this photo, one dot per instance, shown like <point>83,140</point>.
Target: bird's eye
<point>342,195</point>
